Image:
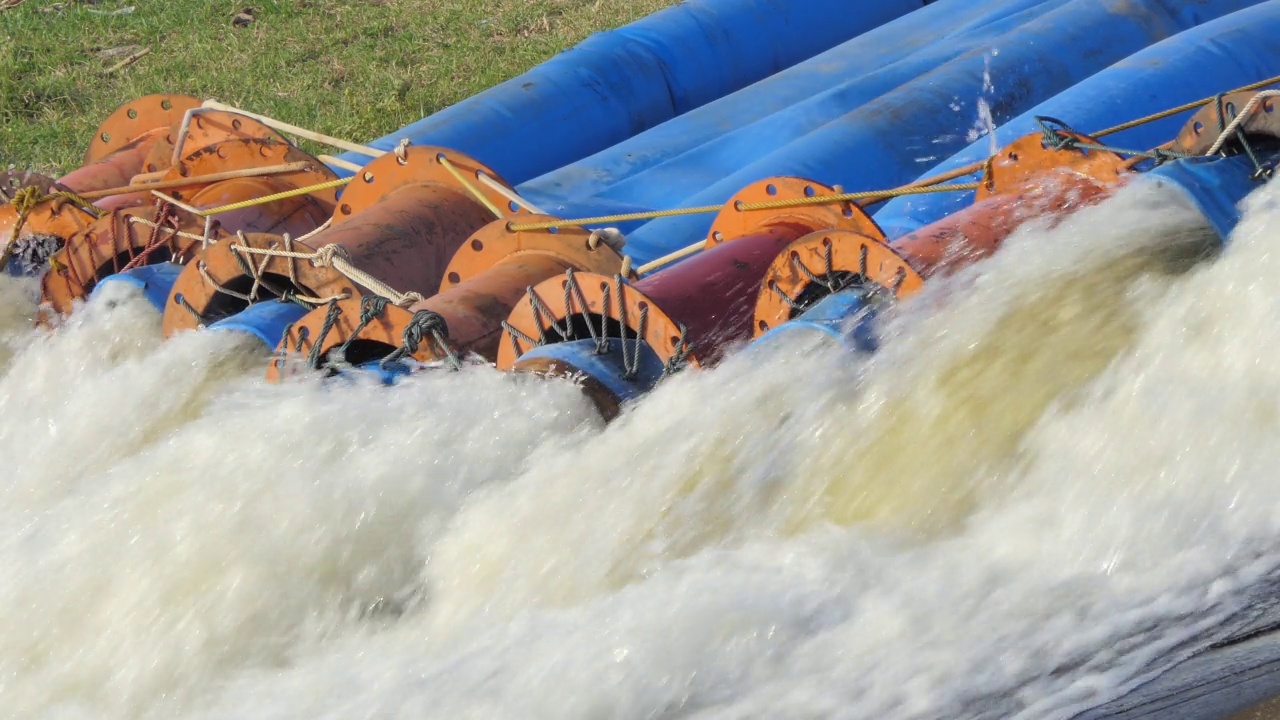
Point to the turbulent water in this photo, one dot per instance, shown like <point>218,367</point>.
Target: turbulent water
<point>1058,477</point>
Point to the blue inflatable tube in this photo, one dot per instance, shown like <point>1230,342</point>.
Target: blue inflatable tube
<point>893,139</point>
<point>1229,52</point>
<point>155,281</point>
<point>787,104</point>
<point>618,83</point>
<point>1214,185</point>
<point>268,321</point>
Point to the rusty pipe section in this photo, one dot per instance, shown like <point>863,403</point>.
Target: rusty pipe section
<point>399,222</point>
<point>1025,181</point>
<point>485,279</point>
<point>622,337</point>
<point>138,137</point>
<point>127,237</point>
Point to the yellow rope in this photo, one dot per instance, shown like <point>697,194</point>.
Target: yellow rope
<point>470,188</point>
<point>307,190</point>
<point>744,207</point>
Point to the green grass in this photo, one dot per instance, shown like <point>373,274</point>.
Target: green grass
<point>354,69</point>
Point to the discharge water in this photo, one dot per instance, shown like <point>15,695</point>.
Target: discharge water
<point>1058,476</point>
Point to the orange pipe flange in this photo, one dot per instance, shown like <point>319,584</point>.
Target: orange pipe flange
<point>152,151</point>
<point>117,239</point>
<point>400,221</point>
<point>123,142</point>
<point>35,237</point>
<point>1024,181</point>
<point>112,243</point>
<point>296,215</point>
<point>135,119</point>
<point>1200,131</point>
<point>206,128</point>
<point>483,282</point>
<point>694,309</point>
<point>208,289</point>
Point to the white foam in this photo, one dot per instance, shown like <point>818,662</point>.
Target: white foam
<point>1057,475</point>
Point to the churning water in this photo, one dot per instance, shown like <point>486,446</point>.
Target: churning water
<point>1059,475</point>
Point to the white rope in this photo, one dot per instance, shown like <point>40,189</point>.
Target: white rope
<point>1239,119</point>
<point>178,233</point>
<point>335,256</point>
<point>508,193</point>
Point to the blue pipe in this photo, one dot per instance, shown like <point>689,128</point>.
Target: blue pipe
<point>268,321</point>
<point>1228,52</point>
<point>607,367</point>
<point>618,83</point>
<point>889,141</point>
<point>1214,185</point>
<point>155,281</point>
<point>707,143</point>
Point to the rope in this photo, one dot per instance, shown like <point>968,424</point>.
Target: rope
<point>335,256</point>
<point>1181,108</point>
<point>164,219</point>
<point>744,207</point>
<point>177,233</point>
<point>330,317</point>
<point>475,191</point>
<point>199,179</point>
<point>371,308</point>
<point>305,190</point>
<point>1055,139</point>
<point>671,257</point>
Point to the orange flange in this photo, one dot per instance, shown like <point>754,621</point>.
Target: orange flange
<point>695,308</point>
<point>248,153</point>
<point>113,242</point>
<point>118,238</point>
<point>823,262</point>
<point>1027,163</point>
<point>152,153</point>
<point>220,281</point>
<point>400,221</point>
<point>1202,129</point>
<point>207,126</point>
<point>736,222</point>
<point>483,282</point>
<point>135,119</point>
<point>31,239</point>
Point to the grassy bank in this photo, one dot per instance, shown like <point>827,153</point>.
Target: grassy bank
<point>352,68</point>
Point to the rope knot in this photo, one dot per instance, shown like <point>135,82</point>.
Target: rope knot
<point>611,236</point>
<point>410,298</point>
<point>371,308</point>
<point>25,199</point>
<point>402,151</point>
<point>325,256</point>
<point>423,322</point>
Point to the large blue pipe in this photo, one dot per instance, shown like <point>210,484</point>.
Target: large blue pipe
<point>618,83</point>
<point>894,138</point>
<point>783,106</point>
<point>1231,51</point>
